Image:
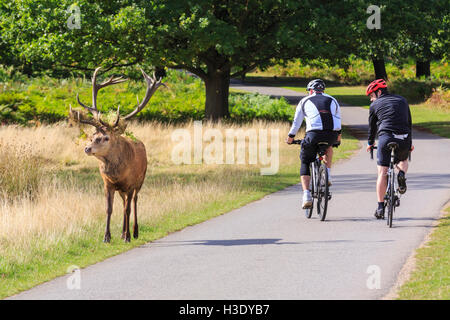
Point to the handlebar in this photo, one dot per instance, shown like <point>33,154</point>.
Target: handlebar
<point>299,141</point>
<point>371,151</point>
<point>375,147</point>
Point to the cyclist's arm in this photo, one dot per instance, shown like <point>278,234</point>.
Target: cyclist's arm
<point>409,121</point>
<point>373,119</point>
<point>298,119</point>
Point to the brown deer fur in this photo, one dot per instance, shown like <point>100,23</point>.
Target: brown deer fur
<point>123,161</point>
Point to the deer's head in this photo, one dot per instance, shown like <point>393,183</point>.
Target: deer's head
<point>106,134</point>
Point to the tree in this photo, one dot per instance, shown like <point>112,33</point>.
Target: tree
<point>214,39</point>
<point>423,33</point>
<point>376,42</point>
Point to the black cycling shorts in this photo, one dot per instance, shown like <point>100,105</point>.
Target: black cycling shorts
<point>384,153</point>
<point>310,147</point>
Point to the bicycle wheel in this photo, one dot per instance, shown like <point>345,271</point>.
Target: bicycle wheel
<point>391,199</point>
<point>309,211</point>
<point>322,192</point>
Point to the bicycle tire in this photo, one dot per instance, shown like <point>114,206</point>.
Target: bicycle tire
<point>322,192</point>
<point>391,199</point>
<point>309,211</point>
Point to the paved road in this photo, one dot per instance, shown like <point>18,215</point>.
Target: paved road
<point>269,250</point>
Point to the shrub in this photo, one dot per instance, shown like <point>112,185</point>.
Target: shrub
<point>415,91</point>
<point>47,100</point>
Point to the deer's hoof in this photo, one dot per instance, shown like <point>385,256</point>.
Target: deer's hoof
<point>107,238</point>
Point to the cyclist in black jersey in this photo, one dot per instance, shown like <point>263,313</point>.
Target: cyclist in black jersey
<point>390,119</point>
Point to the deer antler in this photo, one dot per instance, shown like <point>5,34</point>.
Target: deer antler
<point>152,86</point>
<point>95,88</point>
<point>80,118</point>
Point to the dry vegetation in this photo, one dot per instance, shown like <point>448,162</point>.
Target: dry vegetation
<point>50,190</point>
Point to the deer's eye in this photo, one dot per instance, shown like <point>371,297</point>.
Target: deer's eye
<point>106,138</point>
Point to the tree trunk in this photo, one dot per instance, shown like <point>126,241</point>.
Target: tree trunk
<point>217,86</point>
<point>379,68</point>
<point>422,68</point>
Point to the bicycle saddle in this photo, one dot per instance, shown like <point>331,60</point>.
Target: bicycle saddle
<point>323,146</point>
<point>392,145</point>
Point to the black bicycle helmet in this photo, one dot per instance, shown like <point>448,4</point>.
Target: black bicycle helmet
<point>316,85</point>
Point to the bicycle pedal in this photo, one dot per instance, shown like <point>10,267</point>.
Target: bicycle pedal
<point>329,196</point>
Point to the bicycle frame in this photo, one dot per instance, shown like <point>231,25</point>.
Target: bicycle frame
<point>391,197</point>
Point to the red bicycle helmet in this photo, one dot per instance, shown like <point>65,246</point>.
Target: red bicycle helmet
<point>375,85</point>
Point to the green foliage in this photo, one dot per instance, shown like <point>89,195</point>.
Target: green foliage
<point>246,107</point>
<point>47,100</point>
<point>357,70</point>
<point>415,91</point>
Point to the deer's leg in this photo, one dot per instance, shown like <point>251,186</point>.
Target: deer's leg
<point>136,227</point>
<point>127,211</point>
<point>109,193</point>
<point>123,196</point>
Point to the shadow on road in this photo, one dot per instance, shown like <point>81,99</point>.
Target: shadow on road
<point>247,242</point>
<point>345,183</point>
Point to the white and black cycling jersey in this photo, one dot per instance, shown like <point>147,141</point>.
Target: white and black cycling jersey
<point>320,112</point>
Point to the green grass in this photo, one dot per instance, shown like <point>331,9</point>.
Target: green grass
<point>434,120</point>
<point>51,258</point>
<point>431,278</point>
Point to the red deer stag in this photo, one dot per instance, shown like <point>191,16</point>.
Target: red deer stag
<point>123,161</point>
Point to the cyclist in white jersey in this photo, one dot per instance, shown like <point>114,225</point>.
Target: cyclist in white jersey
<point>322,115</point>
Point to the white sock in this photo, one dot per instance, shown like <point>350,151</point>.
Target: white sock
<point>306,192</point>
<point>329,171</point>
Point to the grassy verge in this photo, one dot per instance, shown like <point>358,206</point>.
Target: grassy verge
<point>431,278</point>
<point>62,223</point>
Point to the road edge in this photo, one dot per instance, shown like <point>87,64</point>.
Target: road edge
<point>411,262</point>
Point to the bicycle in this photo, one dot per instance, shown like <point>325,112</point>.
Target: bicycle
<point>319,182</point>
<point>392,196</point>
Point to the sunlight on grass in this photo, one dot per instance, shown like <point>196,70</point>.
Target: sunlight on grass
<point>431,278</point>
<point>59,221</point>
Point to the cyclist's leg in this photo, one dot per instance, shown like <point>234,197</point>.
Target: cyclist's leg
<point>305,179</point>
<point>307,155</point>
<point>402,163</point>
<point>381,183</point>
<point>328,157</point>
<point>384,158</point>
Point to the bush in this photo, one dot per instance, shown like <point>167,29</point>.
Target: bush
<point>357,71</point>
<point>440,98</point>
<point>415,91</point>
<point>47,100</point>
<point>246,107</point>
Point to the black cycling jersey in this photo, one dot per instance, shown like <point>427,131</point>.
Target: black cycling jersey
<point>389,113</point>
